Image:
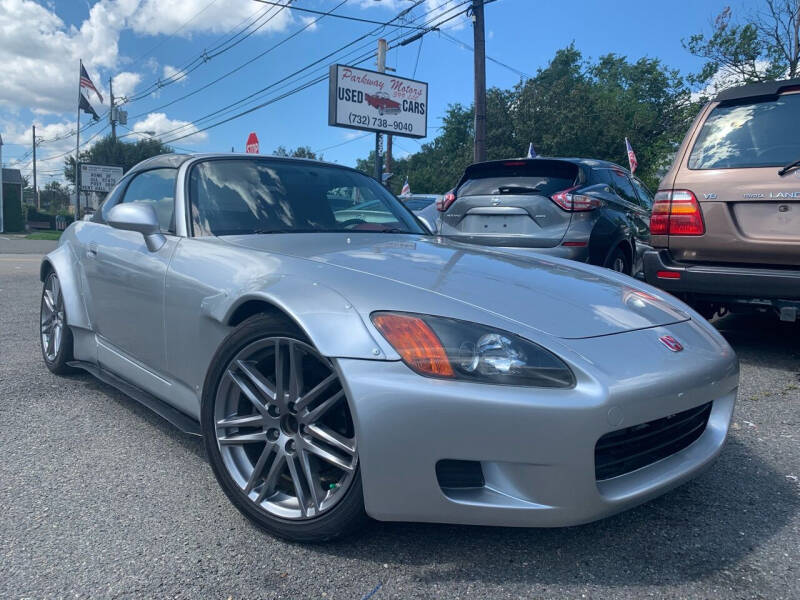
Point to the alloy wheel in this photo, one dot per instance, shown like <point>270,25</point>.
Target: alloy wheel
<point>619,264</point>
<point>52,317</point>
<point>284,428</point>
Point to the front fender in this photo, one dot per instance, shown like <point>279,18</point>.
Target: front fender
<point>63,261</point>
<point>328,319</point>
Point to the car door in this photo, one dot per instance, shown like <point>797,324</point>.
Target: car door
<point>637,220</point>
<point>126,280</point>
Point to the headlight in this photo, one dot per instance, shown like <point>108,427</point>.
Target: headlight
<point>452,349</point>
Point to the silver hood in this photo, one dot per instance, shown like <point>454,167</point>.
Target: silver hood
<point>557,297</point>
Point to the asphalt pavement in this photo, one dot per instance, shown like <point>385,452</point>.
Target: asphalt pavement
<point>99,498</point>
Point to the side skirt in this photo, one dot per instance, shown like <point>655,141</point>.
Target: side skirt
<point>183,422</point>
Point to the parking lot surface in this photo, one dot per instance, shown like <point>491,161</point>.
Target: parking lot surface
<point>100,498</point>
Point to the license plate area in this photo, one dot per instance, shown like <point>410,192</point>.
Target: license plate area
<point>498,224</point>
<point>778,221</point>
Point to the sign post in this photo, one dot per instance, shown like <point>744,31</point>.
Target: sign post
<point>252,144</point>
<point>99,178</point>
<point>379,102</point>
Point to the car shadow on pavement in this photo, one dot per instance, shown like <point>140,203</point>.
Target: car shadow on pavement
<point>704,526</point>
<point>763,340</point>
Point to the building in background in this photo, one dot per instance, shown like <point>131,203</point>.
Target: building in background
<point>12,200</point>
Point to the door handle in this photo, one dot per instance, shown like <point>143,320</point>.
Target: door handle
<point>92,250</point>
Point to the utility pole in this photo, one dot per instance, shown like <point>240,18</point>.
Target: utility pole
<point>480,80</point>
<point>378,136</point>
<point>35,188</point>
<point>111,116</point>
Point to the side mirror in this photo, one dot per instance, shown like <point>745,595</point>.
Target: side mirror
<point>138,217</point>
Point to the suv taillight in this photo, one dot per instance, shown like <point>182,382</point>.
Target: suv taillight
<point>574,202</point>
<point>676,212</point>
<point>442,204</point>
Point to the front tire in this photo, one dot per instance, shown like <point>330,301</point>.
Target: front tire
<point>54,333</point>
<point>279,433</point>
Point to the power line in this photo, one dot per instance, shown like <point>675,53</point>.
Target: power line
<point>346,17</point>
<point>466,46</point>
<point>350,141</point>
<point>310,83</point>
<point>240,67</point>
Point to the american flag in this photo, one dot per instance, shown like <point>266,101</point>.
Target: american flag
<point>406,191</point>
<point>531,151</point>
<point>631,156</point>
<point>86,82</point>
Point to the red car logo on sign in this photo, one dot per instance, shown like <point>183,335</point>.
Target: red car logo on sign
<point>671,343</point>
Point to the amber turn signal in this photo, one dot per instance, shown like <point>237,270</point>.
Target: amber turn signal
<point>415,342</point>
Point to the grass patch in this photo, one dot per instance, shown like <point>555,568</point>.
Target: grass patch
<point>49,234</point>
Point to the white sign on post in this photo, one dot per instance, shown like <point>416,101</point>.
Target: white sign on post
<point>99,178</point>
<point>380,102</point>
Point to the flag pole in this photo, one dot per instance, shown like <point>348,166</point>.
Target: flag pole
<point>77,148</point>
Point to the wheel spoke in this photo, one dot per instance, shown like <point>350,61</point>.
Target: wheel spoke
<point>56,291</point>
<point>242,438</point>
<point>48,301</point>
<point>297,481</point>
<point>50,351</point>
<point>323,407</point>
<point>327,456</point>
<point>329,436</point>
<point>280,395</point>
<point>245,421</point>
<point>56,337</point>
<point>259,468</point>
<point>295,372</point>
<point>257,379</point>
<point>268,487</point>
<point>248,393</point>
<point>312,395</point>
<point>311,478</point>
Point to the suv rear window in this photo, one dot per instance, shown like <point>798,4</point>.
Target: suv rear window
<point>762,133</point>
<point>537,176</point>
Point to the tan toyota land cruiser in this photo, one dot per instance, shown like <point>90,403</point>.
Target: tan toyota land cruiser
<point>725,225</point>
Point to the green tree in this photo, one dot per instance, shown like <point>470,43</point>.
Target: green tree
<point>54,197</point>
<point>572,107</point>
<point>117,153</point>
<point>765,46</point>
<point>299,152</point>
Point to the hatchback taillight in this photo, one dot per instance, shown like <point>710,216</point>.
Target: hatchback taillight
<point>676,212</point>
<point>442,204</point>
<point>572,202</point>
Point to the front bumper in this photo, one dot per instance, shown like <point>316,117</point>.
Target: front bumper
<point>720,281</point>
<point>536,447</point>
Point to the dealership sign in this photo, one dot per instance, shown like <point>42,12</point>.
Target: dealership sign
<point>252,144</point>
<point>372,101</point>
<point>99,178</point>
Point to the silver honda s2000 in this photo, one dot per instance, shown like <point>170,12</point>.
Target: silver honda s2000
<point>339,361</point>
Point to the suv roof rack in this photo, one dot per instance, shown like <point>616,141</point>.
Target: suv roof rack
<point>753,90</point>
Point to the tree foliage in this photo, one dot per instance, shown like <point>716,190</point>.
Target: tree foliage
<point>765,46</point>
<point>573,107</point>
<point>117,153</point>
<point>299,152</point>
<point>54,197</point>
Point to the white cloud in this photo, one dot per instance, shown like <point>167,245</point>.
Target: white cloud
<point>184,17</point>
<point>125,83</point>
<point>174,74</point>
<point>311,22</point>
<point>165,127</point>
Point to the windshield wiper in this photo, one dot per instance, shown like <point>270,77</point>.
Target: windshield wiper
<point>789,167</point>
<point>517,189</point>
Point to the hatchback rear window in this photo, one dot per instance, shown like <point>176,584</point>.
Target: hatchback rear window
<point>537,176</point>
<point>752,134</point>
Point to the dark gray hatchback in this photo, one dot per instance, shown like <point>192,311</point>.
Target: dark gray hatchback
<point>583,209</point>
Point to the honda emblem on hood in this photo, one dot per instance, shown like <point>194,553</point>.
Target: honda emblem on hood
<point>671,343</point>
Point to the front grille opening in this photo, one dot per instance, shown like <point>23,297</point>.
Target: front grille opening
<point>626,450</point>
<point>459,474</point>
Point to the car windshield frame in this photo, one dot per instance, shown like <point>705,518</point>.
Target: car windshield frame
<point>696,163</point>
<point>408,222</point>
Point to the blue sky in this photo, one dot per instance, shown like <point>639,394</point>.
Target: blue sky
<point>140,41</point>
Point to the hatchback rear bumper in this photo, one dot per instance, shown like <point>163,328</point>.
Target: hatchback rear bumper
<point>719,281</point>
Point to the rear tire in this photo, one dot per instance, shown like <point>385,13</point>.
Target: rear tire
<point>268,464</point>
<point>618,261</point>
<point>55,336</point>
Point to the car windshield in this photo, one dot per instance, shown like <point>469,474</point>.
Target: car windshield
<point>753,134</point>
<point>537,176</point>
<point>242,196</point>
